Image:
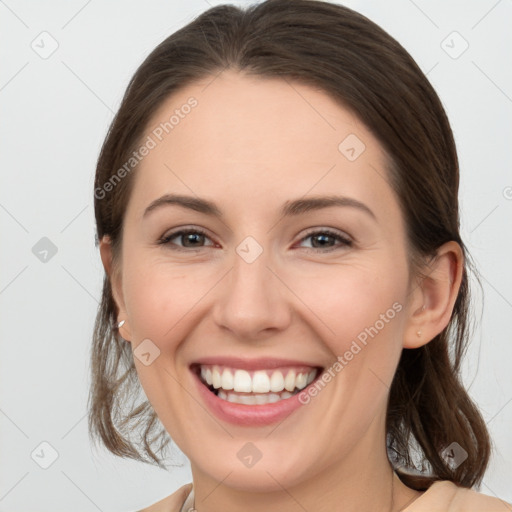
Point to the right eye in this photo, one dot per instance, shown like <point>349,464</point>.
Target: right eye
<point>187,236</point>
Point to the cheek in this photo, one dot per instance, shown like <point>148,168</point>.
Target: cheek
<point>158,298</point>
<point>361,313</point>
<point>351,301</point>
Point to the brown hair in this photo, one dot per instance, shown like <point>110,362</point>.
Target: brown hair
<point>351,58</point>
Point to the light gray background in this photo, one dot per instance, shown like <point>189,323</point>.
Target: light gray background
<point>55,113</point>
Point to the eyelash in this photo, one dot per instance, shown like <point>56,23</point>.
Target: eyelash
<point>165,240</point>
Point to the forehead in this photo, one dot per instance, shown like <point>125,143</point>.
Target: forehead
<point>259,108</point>
<point>261,137</point>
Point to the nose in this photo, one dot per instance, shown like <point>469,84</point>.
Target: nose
<point>253,302</point>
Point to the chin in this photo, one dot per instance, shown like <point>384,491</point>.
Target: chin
<point>269,476</point>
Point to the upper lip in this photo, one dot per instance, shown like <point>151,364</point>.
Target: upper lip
<point>261,363</point>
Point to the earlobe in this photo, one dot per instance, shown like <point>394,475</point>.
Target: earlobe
<point>123,331</point>
<point>437,293</point>
<point>115,282</point>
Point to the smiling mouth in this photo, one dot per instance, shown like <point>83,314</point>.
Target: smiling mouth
<point>259,387</point>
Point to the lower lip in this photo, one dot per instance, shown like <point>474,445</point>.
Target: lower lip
<point>249,415</point>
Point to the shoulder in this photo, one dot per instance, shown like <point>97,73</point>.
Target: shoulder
<point>445,496</point>
<point>172,503</point>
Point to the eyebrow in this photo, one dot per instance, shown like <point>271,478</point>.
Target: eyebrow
<point>290,208</point>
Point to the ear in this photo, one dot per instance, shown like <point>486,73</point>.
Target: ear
<point>114,276</point>
<point>433,298</point>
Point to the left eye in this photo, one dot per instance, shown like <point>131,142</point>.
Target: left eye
<point>324,235</point>
<point>196,236</point>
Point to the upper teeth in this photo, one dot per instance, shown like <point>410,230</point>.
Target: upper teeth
<point>261,381</point>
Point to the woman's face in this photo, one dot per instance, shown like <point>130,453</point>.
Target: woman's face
<point>269,288</point>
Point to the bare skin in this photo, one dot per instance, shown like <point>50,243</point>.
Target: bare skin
<point>250,145</point>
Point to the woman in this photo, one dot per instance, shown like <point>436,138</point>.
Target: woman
<point>277,214</point>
